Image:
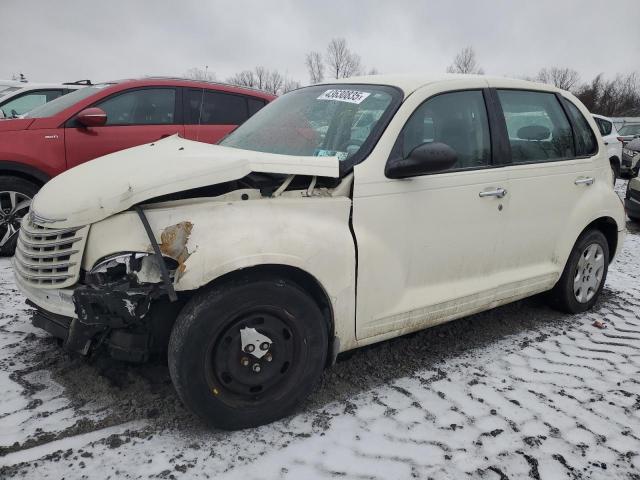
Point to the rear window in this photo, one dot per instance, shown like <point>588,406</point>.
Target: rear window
<point>585,140</point>
<point>208,107</point>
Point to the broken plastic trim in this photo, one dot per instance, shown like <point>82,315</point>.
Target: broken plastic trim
<point>166,280</point>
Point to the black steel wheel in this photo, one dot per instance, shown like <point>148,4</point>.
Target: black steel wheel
<point>247,353</point>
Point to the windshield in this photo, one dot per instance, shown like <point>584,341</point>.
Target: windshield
<point>59,104</point>
<point>630,130</point>
<point>4,90</point>
<point>326,120</point>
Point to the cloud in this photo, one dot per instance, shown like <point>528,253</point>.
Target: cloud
<point>124,38</point>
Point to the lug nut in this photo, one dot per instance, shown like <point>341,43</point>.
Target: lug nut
<point>250,348</point>
<point>256,367</point>
<point>264,346</point>
<point>244,361</point>
<point>268,357</point>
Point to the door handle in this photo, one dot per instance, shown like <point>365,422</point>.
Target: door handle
<point>584,181</point>
<point>496,192</point>
<point>606,143</point>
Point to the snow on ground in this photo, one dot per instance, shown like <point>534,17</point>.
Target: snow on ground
<point>518,392</point>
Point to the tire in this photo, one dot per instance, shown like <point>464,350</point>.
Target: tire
<point>210,371</point>
<point>15,198</point>
<point>577,293</point>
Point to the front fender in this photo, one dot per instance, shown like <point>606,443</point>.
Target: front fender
<point>308,233</point>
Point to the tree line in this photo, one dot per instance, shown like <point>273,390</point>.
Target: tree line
<point>614,97</point>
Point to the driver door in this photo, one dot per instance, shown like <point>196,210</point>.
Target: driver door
<point>428,245</point>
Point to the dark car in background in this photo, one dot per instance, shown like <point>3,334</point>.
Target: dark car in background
<point>100,119</point>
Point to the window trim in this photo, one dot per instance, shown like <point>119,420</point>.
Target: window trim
<point>493,134</point>
<point>177,115</point>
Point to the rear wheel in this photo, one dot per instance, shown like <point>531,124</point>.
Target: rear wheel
<point>584,274</point>
<point>15,199</point>
<point>248,353</point>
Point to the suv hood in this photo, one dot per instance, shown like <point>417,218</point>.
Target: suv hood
<point>107,185</point>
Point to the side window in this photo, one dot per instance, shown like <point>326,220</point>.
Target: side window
<point>28,101</point>
<point>458,119</point>
<point>148,106</point>
<point>538,129</point>
<point>254,105</point>
<point>606,127</point>
<point>215,108</point>
<point>586,143</point>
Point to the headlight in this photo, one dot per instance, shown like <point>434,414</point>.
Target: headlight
<point>138,266</point>
<point>627,152</point>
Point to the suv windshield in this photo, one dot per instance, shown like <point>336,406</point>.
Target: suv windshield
<point>342,120</point>
<point>630,130</point>
<point>61,103</point>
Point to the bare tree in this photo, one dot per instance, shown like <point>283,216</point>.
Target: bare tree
<point>341,61</point>
<point>315,67</point>
<point>290,84</point>
<point>564,78</point>
<point>619,97</point>
<point>465,62</point>
<point>246,78</point>
<point>271,81</point>
<point>197,73</point>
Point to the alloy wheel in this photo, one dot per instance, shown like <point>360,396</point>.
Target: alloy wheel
<point>13,207</point>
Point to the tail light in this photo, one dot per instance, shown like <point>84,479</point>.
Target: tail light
<point>621,139</point>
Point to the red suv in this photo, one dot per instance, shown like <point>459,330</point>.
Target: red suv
<point>105,118</point>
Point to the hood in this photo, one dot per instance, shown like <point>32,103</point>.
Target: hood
<point>107,185</point>
<point>14,124</point>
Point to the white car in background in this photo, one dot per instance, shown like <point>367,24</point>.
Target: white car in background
<point>612,144</point>
<point>18,98</point>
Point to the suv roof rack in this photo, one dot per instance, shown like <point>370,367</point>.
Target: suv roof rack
<point>79,82</point>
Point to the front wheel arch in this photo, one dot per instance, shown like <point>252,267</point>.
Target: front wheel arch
<point>298,276</point>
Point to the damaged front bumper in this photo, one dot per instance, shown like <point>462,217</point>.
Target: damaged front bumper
<point>115,315</point>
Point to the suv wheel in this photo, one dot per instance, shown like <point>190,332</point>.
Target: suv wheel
<point>584,274</point>
<point>15,198</point>
<point>247,353</point>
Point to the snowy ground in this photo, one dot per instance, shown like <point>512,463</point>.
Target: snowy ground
<point>517,392</point>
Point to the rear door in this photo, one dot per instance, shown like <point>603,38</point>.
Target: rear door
<point>134,117</point>
<point>552,172</point>
<point>212,114</point>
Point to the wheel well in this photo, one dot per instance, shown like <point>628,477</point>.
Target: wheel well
<point>614,159</point>
<point>609,229</point>
<point>301,278</point>
<point>24,175</point>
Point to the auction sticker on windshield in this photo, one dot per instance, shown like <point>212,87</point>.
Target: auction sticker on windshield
<point>349,96</point>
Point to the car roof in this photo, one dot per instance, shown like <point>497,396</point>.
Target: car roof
<point>410,83</point>
<point>32,86</point>
<point>187,82</point>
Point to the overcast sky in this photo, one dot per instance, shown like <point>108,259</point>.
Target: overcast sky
<point>103,40</point>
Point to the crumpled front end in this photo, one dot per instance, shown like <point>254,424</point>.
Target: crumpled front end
<point>120,303</point>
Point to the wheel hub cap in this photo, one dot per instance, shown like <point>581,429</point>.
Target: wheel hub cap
<point>13,207</point>
<point>589,273</point>
<point>253,354</point>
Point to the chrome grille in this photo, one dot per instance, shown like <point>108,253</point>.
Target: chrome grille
<point>49,257</point>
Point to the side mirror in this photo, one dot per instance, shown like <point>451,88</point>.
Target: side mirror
<point>92,117</point>
<point>424,159</point>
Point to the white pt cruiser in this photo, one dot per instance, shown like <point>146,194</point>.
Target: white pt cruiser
<point>339,215</point>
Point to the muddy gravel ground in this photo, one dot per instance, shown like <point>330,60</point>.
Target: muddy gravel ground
<point>517,392</point>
